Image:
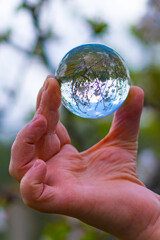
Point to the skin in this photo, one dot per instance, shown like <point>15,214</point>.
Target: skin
<point>98,186</point>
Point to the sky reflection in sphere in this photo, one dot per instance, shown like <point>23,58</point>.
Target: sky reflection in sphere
<point>94,80</point>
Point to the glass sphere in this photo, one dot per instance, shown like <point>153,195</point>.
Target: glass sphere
<point>94,80</point>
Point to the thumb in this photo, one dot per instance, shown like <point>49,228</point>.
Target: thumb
<point>125,125</point>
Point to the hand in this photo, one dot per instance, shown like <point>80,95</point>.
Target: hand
<point>98,186</point>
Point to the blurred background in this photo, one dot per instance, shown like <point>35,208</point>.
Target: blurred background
<point>34,36</point>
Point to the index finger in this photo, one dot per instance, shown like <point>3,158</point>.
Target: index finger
<point>41,91</point>
<point>48,101</point>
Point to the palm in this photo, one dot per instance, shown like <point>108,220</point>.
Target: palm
<point>102,162</point>
<point>55,177</point>
<point>107,167</point>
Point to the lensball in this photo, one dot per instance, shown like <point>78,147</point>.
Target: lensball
<point>94,80</point>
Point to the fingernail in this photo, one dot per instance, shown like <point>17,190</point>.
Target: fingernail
<point>50,76</point>
<point>36,116</point>
<point>48,80</point>
<point>46,84</point>
<point>36,164</point>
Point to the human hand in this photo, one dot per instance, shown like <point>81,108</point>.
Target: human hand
<point>98,186</point>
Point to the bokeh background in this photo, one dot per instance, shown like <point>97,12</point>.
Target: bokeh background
<point>34,36</point>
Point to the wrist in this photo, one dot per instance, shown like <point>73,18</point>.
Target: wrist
<point>148,234</point>
<point>152,232</point>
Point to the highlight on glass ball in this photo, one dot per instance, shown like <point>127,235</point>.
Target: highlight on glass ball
<point>94,80</point>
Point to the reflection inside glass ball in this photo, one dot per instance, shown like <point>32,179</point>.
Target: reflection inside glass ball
<point>94,80</point>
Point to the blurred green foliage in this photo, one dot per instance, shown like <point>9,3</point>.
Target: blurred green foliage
<point>56,231</point>
<point>83,132</point>
<point>93,234</point>
<point>149,80</point>
<point>4,163</point>
<point>98,27</point>
<point>61,230</point>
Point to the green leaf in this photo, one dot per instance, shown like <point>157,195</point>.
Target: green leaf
<point>98,27</point>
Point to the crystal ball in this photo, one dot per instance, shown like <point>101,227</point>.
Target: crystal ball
<point>94,80</point>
